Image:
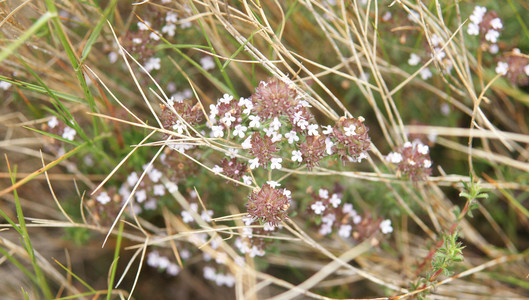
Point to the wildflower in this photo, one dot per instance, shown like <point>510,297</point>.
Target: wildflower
<point>262,148</point>
<point>4,85</point>
<point>240,130</point>
<point>496,23</point>
<point>327,129</point>
<point>254,121</point>
<point>206,215</point>
<point>313,150</point>
<point>217,131</point>
<point>158,190</point>
<point>247,144</point>
<point>414,59</point>
<point>345,231</point>
<point>318,207</point>
<point>312,129</point>
<point>254,163</point>
<point>103,198</point>
<point>477,14</point>
<point>273,98</point>
<point>276,124</point>
<point>425,74</point>
<point>292,137</point>
<point>173,269</point>
<point>207,63</point>
<point>385,226</point>
<point>494,48</point>
<point>248,104</point>
<point>233,168</point>
<point>502,68</point>
<point>53,122</point>
<point>335,200</point>
<point>412,160</point>
<point>296,155</point>
<point>144,25</point>
<point>328,146</point>
<point>473,29</point>
<point>323,193</point>
<point>347,208</point>
<point>217,170</point>
<point>141,196</point>
<point>247,179</point>
<point>213,110</point>
<point>226,98</point>
<point>171,17</point>
<point>69,133</point>
<point>273,184</point>
<point>186,217</point>
<point>351,137</point>
<point>268,205</point>
<point>227,119</point>
<point>276,163</point>
<point>170,29</point>
<point>152,63</point>
<point>394,157</point>
<point>350,130</point>
<point>154,175</point>
<point>492,36</point>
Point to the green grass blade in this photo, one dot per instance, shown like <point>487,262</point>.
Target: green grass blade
<point>97,30</point>
<point>22,39</point>
<point>76,277</point>
<point>115,261</point>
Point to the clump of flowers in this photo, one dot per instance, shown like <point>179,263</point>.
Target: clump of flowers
<point>192,114</point>
<point>268,205</point>
<point>312,150</point>
<point>334,216</point>
<point>487,25</point>
<point>233,168</point>
<point>253,239</point>
<point>515,67</point>
<point>273,98</point>
<point>412,160</point>
<point>162,263</point>
<point>262,148</point>
<point>352,140</point>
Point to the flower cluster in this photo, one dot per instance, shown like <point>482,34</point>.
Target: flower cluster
<point>219,278</point>
<point>335,216</point>
<point>352,140</point>
<point>162,263</point>
<point>514,66</point>
<point>253,240</point>
<point>268,204</point>
<point>172,117</point>
<point>58,128</point>
<point>486,24</point>
<point>412,160</point>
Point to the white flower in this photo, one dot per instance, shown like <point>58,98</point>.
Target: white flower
<point>255,121</point>
<point>296,155</point>
<point>327,129</point>
<point>152,63</point>
<point>276,124</point>
<point>247,144</point>
<point>226,98</point>
<point>492,36</point>
<point>171,17</point>
<point>304,103</point>
<point>231,153</point>
<point>335,200</point>
<point>526,70</point>
<point>170,29</point>
<point>239,130</point>
<point>186,217</point>
<point>53,122</point>
<point>414,59</point>
<point>350,130</point>
<point>473,29</point>
<point>276,137</point>
<point>502,68</point>
<point>312,129</point>
<point>144,26</point>
<point>303,124</point>
<point>141,196</point>
<point>325,229</point>
<point>276,163</point>
<point>439,54</point>
<point>214,110</point>
<point>328,146</point>
<point>425,74</point>
<point>287,193</point>
<point>158,190</point>
<point>496,23</point>
<point>268,227</point>
<point>423,149</point>
<point>173,269</point>
<point>493,49</point>
<point>357,218</point>
<point>386,16</point>
<point>273,184</point>
<point>228,119</point>
<point>345,231</point>
<point>132,178</point>
<point>436,40</point>
<point>154,36</point>
<point>171,187</point>
<point>427,163</point>
<point>207,63</point>
<point>154,174</point>
<point>4,85</point>
<point>217,131</point>
<point>152,259</point>
<point>323,193</point>
<point>394,157</point>
<point>414,16</point>
<point>137,41</point>
<point>217,170</point>
<point>318,207</point>
<point>347,208</point>
<point>209,273</point>
<point>385,226</point>
<point>69,133</point>
<point>103,198</point>
<point>206,215</point>
<point>179,127</point>
<point>477,14</point>
<point>254,163</point>
<point>292,137</point>
<point>247,179</point>
<point>150,205</point>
